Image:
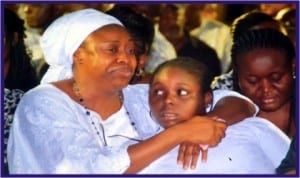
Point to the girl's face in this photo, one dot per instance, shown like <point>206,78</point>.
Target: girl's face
<point>175,96</point>
<point>265,77</point>
<point>107,56</point>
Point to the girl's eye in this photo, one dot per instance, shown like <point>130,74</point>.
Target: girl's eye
<point>158,92</point>
<point>182,92</point>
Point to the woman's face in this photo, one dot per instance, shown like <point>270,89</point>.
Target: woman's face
<point>107,56</point>
<point>175,96</point>
<point>36,15</point>
<point>265,76</point>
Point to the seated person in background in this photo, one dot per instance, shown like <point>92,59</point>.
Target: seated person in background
<point>213,32</point>
<point>19,74</point>
<point>247,21</point>
<point>264,70</point>
<point>171,24</point>
<point>38,17</point>
<point>180,90</point>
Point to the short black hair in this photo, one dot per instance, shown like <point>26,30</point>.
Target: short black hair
<point>192,66</point>
<point>249,20</point>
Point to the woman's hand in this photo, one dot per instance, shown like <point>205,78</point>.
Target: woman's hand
<point>188,154</point>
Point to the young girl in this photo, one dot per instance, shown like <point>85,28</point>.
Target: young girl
<point>180,90</point>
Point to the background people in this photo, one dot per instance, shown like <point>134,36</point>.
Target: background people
<point>19,75</point>
<point>264,68</point>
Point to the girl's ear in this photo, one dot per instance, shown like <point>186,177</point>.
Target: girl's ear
<point>208,99</point>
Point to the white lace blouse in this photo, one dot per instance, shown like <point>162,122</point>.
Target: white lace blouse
<point>51,133</point>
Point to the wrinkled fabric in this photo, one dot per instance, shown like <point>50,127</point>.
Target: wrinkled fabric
<point>252,146</point>
<point>52,134</point>
<point>65,35</point>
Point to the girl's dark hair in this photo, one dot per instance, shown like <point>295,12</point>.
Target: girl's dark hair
<point>248,21</point>
<point>21,75</point>
<point>191,66</point>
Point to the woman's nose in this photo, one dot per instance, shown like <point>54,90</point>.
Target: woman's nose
<point>125,56</point>
<point>266,86</point>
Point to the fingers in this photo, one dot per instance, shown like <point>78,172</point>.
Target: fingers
<point>204,155</point>
<point>181,153</point>
<point>188,156</point>
<point>195,157</point>
<point>219,132</point>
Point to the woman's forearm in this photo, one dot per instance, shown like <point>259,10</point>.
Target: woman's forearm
<point>196,130</point>
<point>233,109</point>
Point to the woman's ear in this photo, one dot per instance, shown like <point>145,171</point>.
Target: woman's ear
<point>208,99</point>
<point>142,61</point>
<point>77,56</point>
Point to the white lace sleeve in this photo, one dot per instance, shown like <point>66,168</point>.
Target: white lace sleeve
<point>220,94</point>
<point>49,136</point>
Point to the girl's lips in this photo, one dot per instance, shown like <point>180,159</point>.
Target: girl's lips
<point>169,116</point>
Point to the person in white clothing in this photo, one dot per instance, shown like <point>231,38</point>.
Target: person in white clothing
<point>179,90</point>
<point>84,118</point>
<point>213,32</point>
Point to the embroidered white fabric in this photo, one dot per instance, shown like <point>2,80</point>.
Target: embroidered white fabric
<point>52,134</point>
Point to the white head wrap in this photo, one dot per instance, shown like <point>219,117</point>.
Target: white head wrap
<point>63,37</point>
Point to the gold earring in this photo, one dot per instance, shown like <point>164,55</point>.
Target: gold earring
<point>139,72</point>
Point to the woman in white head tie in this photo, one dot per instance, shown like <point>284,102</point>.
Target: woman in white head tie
<point>84,118</point>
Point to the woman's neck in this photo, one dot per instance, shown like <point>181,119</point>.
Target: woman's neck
<point>101,100</point>
<point>282,118</point>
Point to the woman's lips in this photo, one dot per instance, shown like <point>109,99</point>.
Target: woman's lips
<point>124,71</point>
<point>268,100</point>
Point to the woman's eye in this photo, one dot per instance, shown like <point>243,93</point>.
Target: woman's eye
<point>131,51</point>
<point>252,81</point>
<point>113,50</point>
<point>182,92</point>
<point>276,77</point>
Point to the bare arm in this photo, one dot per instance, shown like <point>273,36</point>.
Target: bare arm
<point>232,109</point>
<point>205,131</point>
